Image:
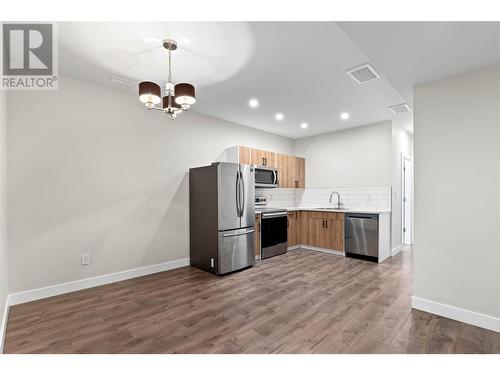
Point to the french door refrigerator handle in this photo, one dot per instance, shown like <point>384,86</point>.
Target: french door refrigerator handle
<point>238,234</point>
<point>238,210</point>
<point>242,195</point>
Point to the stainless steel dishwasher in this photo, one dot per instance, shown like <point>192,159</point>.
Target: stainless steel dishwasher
<point>361,236</point>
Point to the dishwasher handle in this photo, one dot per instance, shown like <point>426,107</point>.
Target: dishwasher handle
<point>362,216</point>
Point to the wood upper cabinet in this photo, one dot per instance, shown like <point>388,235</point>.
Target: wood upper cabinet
<point>294,228</point>
<point>301,173</point>
<point>323,229</point>
<point>283,166</point>
<point>263,158</point>
<point>245,155</point>
<point>291,171</point>
<point>298,172</point>
<point>257,234</point>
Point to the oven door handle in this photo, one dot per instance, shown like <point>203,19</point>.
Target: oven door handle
<point>275,215</point>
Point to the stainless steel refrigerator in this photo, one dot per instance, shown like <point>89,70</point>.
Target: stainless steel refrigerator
<point>222,217</point>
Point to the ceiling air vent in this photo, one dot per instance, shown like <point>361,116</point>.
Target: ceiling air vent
<point>363,73</point>
<point>400,108</point>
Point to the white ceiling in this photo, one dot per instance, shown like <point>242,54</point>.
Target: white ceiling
<point>296,68</point>
<point>413,53</point>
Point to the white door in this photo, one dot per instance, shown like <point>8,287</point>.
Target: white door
<point>407,213</point>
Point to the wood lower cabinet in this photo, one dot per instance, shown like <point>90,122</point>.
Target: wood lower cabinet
<point>257,227</point>
<point>323,229</point>
<point>293,228</point>
<point>314,228</point>
<point>335,232</point>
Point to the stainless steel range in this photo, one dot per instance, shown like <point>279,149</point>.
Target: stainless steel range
<point>274,232</point>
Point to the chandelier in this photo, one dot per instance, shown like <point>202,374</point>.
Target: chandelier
<point>177,99</point>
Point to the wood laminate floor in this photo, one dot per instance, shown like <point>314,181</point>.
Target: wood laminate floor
<point>301,302</point>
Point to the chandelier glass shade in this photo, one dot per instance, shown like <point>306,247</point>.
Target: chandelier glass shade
<point>178,98</point>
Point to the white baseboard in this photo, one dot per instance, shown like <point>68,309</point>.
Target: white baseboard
<point>456,313</point>
<point>396,250</point>
<point>3,325</point>
<point>322,250</point>
<point>72,286</point>
<point>295,247</point>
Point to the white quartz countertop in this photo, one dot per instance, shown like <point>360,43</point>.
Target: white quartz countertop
<point>326,209</point>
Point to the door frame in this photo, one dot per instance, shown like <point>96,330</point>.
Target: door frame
<point>403,213</point>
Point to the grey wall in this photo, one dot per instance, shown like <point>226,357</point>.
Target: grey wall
<point>4,288</point>
<point>402,144</point>
<point>457,191</point>
<point>358,157</point>
<point>91,170</point>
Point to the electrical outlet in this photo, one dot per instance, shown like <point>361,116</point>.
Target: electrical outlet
<point>85,258</point>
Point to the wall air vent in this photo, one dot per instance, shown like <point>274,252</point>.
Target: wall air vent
<point>363,73</point>
<point>400,108</point>
<point>122,81</point>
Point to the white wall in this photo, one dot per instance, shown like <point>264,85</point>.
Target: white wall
<point>4,287</point>
<point>91,170</point>
<point>457,191</point>
<point>402,144</point>
<point>352,158</point>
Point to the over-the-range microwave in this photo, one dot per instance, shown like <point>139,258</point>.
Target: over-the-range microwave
<point>266,177</point>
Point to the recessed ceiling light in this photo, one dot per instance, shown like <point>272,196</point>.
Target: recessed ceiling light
<point>344,116</point>
<point>304,125</point>
<point>279,116</point>
<point>254,103</point>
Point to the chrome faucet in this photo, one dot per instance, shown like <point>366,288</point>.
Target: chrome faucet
<point>339,199</point>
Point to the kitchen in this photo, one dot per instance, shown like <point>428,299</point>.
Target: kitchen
<point>250,223</point>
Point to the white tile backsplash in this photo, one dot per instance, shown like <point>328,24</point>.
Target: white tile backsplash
<point>353,198</point>
<point>278,197</point>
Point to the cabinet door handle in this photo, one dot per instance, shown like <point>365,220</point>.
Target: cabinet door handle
<point>323,223</point>
<point>326,223</point>
<point>287,222</point>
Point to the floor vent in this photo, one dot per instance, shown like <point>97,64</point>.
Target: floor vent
<point>363,73</point>
<point>400,108</point>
